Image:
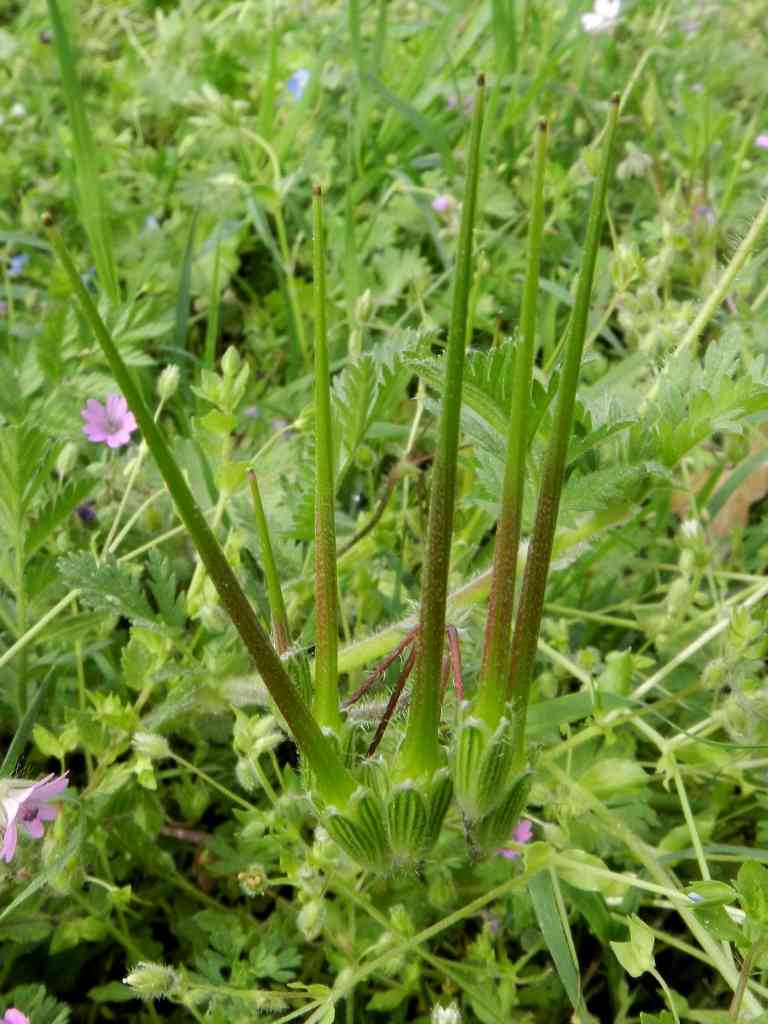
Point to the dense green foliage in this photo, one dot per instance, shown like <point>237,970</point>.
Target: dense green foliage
<point>177,155</point>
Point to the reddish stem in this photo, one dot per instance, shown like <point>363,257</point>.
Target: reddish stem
<point>392,703</point>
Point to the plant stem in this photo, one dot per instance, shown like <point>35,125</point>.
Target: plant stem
<point>495,661</point>
<point>333,781</point>
<point>420,751</point>
<point>280,633</point>
<point>528,619</point>
<point>326,695</point>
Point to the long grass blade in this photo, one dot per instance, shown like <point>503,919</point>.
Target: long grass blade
<point>91,200</point>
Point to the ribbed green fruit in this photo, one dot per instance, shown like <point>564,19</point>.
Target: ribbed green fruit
<point>492,831</point>
<point>482,766</point>
<point>407,817</point>
<point>361,832</point>
<point>438,801</point>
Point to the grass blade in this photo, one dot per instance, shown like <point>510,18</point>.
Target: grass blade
<point>557,934</point>
<point>91,201</point>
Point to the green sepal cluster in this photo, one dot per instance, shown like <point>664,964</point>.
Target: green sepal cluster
<point>388,828</point>
<point>485,836</point>
<point>483,764</point>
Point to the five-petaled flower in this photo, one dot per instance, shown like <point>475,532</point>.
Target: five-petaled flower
<point>112,423</point>
<point>26,804</point>
<point>521,833</point>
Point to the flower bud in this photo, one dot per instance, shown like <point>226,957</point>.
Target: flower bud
<point>152,981</point>
<point>310,919</point>
<point>168,382</point>
<point>230,362</point>
<point>363,306</point>
<point>150,745</point>
<point>67,459</point>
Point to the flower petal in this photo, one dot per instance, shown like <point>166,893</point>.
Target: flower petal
<point>9,842</point>
<point>50,786</point>
<point>34,828</point>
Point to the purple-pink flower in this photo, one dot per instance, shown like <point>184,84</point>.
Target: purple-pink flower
<point>762,141</point>
<point>112,423</point>
<point>521,833</point>
<point>26,804</point>
<point>442,203</point>
<point>14,1016</point>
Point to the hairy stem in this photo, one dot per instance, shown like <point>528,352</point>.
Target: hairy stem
<point>420,751</point>
<point>495,661</point>
<point>333,781</point>
<point>528,619</point>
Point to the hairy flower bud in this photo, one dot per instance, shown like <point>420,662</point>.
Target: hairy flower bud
<point>168,382</point>
<point>150,745</point>
<point>152,981</point>
<point>67,459</point>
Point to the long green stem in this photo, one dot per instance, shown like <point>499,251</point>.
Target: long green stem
<point>333,781</point>
<point>528,619</point>
<point>420,751</point>
<point>495,662</point>
<point>280,633</point>
<point>326,695</point>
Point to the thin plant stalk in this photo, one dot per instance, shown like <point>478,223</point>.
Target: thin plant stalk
<point>528,619</point>
<point>333,781</point>
<point>420,753</point>
<point>495,661</point>
<point>280,634</point>
<point>326,694</point>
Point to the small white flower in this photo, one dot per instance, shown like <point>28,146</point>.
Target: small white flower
<point>602,17</point>
<point>446,1014</point>
<point>18,110</point>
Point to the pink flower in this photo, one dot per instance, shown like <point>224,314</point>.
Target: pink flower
<point>521,833</point>
<point>442,203</point>
<point>113,423</point>
<point>14,1016</point>
<point>762,141</point>
<point>26,805</point>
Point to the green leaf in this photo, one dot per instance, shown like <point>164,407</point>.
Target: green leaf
<point>389,1000</point>
<point>112,992</point>
<point>717,921</point>
<point>557,935</point>
<point>636,956</point>
<point>16,749</point>
<point>90,194</point>
<point>68,853</point>
<point>55,512</point>
<point>107,585</point>
<point>72,933</point>
<point>162,583</point>
<point>752,885</point>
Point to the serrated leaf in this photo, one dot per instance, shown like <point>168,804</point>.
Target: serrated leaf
<point>162,583</point>
<point>55,512</point>
<point>108,586</point>
<point>696,399</point>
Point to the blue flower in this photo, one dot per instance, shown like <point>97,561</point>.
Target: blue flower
<point>298,82</point>
<point>17,263</point>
